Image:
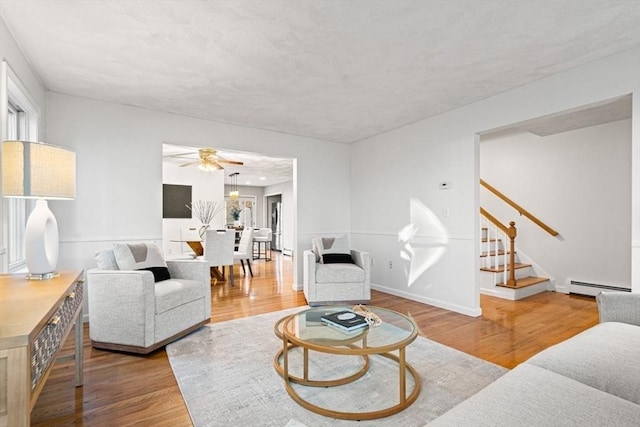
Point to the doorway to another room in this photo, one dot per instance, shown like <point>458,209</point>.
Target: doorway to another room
<point>247,189</point>
<point>274,214</point>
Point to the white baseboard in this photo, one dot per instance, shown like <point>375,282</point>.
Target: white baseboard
<point>430,301</point>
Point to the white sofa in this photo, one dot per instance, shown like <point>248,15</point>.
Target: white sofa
<point>130,312</point>
<point>592,379</point>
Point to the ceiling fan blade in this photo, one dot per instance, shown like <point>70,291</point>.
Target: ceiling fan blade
<point>172,156</point>
<point>231,162</point>
<point>190,163</point>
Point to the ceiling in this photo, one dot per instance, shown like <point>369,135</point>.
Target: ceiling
<point>335,70</point>
<point>607,111</point>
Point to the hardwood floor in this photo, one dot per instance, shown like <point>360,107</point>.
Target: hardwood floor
<point>121,389</point>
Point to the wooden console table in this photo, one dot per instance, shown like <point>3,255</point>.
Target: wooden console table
<point>36,317</point>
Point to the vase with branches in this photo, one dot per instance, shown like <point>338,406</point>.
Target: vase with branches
<point>205,211</point>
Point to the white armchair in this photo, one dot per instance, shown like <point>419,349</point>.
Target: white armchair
<point>129,311</point>
<point>337,283</point>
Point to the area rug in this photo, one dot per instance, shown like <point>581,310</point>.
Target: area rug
<point>226,376</point>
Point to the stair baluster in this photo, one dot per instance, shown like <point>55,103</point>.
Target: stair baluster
<point>512,233</point>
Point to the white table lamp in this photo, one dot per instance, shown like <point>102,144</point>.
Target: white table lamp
<point>39,171</point>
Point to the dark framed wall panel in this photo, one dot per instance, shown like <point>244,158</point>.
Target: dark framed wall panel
<point>175,199</point>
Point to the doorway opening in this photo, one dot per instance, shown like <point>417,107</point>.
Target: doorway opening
<point>274,219</point>
<point>254,176</point>
<point>572,171</point>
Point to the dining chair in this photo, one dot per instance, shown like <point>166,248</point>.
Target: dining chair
<point>245,249</point>
<point>218,251</point>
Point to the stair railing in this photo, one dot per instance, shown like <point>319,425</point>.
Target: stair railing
<point>522,211</point>
<point>509,233</point>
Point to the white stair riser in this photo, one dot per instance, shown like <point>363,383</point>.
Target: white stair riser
<point>515,294</point>
<point>490,261</point>
<point>487,277</point>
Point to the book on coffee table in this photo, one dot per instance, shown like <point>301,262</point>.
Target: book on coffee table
<point>345,320</point>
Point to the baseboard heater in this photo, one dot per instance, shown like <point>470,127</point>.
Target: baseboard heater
<point>593,289</point>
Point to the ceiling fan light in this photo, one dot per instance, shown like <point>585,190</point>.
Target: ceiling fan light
<point>208,166</point>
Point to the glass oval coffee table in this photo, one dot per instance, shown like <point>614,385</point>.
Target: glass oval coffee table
<point>306,331</point>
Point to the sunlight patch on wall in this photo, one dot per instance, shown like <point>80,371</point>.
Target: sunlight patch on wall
<point>424,240</point>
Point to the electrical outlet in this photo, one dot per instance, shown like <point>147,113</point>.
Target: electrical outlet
<point>391,264</point>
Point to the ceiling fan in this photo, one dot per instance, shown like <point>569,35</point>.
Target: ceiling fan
<point>209,160</point>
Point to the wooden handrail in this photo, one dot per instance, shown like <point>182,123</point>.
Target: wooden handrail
<point>520,209</point>
<point>494,221</point>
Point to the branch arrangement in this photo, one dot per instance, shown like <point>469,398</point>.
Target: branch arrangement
<point>205,210</point>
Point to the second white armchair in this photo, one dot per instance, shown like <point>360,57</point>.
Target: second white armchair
<point>337,278</point>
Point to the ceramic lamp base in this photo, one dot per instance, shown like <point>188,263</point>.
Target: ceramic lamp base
<point>41,242</point>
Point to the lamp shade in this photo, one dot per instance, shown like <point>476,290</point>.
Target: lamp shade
<point>37,170</point>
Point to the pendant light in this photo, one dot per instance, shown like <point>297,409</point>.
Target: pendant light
<point>234,193</point>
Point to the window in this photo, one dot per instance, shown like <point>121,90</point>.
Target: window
<point>21,125</point>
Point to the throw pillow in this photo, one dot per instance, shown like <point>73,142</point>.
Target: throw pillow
<point>141,256</point>
<point>331,245</point>
<point>316,247</point>
<point>106,260</point>
<point>337,259</point>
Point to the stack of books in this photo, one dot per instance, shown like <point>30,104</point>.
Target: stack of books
<point>346,321</point>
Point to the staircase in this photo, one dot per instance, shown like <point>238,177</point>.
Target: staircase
<point>503,272</point>
<point>494,270</point>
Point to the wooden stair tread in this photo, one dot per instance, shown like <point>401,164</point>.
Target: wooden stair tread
<point>500,268</point>
<point>484,240</point>
<point>524,282</point>
<point>493,253</point>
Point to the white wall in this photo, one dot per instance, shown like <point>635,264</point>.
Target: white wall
<point>389,169</point>
<point>577,182</point>
<point>119,155</point>
<point>204,186</point>
<point>288,212</point>
<point>29,81</point>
